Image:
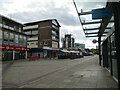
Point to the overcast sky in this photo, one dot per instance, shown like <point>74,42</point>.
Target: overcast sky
<point>64,11</point>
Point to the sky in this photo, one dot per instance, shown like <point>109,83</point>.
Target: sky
<point>25,11</point>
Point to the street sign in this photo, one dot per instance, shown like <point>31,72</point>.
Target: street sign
<point>101,13</point>
<point>94,41</point>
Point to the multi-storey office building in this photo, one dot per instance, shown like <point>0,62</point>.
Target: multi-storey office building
<point>12,39</point>
<point>42,34</point>
<point>68,41</point>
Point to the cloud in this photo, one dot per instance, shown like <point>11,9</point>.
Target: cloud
<point>40,10</point>
<point>63,10</point>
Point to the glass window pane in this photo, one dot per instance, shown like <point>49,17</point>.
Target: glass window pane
<point>34,31</point>
<point>16,38</point>
<point>0,34</point>
<point>6,36</point>
<point>11,37</point>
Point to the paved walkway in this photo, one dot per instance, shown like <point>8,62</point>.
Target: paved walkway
<point>78,73</point>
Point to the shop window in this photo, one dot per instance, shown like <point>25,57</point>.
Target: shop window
<point>113,55</point>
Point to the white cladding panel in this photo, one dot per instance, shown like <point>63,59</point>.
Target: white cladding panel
<point>54,44</point>
<point>30,27</point>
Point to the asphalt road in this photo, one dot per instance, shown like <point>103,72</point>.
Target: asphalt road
<point>67,73</point>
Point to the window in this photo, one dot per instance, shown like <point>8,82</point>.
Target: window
<point>0,34</point>
<point>36,43</point>
<point>16,38</point>
<point>11,37</point>
<point>19,28</point>
<point>53,26</point>
<point>6,36</point>
<point>0,24</point>
<point>41,43</point>
<point>24,40</point>
<point>32,43</point>
<point>5,25</point>
<point>11,28</point>
<point>21,40</point>
<point>28,32</point>
<point>34,32</point>
<point>53,32</point>
<point>45,42</point>
<point>54,22</point>
<point>15,27</point>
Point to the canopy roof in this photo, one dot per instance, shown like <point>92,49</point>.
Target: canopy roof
<point>94,27</point>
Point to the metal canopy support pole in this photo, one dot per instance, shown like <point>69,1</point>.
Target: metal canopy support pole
<point>26,55</point>
<point>13,55</point>
<point>116,10</point>
<point>99,44</point>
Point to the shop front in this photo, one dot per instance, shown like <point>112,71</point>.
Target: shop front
<point>13,52</point>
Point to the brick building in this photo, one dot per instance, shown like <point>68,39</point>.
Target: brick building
<point>42,35</point>
<point>13,44</point>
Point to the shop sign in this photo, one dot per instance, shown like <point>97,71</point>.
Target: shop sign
<point>100,13</point>
<point>8,47</point>
<point>5,42</point>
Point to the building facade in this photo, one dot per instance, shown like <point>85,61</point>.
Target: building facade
<point>42,34</point>
<point>78,45</point>
<point>68,41</point>
<point>12,40</point>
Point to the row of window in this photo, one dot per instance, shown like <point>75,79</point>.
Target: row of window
<point>33,43</point>
<point>7,26</point>
<point>54,38</point>
<point>12,38</point>
<point>36,43</point>
<point>44,43</point>
<point>53,26</point>
<point>31,32</point>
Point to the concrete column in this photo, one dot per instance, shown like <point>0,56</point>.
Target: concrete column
<point>13,55</point>
<point>99,44</point>
<point>26,55</point>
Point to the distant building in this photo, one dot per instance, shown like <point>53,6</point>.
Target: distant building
<point>68,41</point>
<point>97,47</point>
<point>78,45</point>
<point>13,41</point>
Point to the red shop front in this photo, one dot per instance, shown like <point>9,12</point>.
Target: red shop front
<point>13,52</point>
